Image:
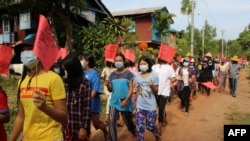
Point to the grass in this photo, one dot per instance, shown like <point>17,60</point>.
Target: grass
<point>238,118</point>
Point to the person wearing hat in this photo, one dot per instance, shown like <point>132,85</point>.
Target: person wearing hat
<point>206,74</point>
<point>234,72</point>
<point>41,98</point>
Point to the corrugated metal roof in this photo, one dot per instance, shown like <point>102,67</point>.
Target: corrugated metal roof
<point>137,11</point>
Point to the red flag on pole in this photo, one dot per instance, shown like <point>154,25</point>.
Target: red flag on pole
<point>45,47</point>
<point>62,53</point>
<point>110,52</point>
<point>5,58</point>
<point>179,58</point>
<point>129,55</point>
<point>210,85</point>
<point>166,53</point>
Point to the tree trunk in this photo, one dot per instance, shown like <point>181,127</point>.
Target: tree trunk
<point>64,15</point>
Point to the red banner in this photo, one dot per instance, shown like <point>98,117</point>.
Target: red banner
<point>129,55</point>
<point>5,57</point>
<point>110,52</point>
<point>210,85</point>
<point>166,53</point>
<point>62,53</point>
<point>179,58</point>
<point>45,47</point>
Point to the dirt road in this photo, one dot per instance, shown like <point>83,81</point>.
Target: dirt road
<point>206,118</point>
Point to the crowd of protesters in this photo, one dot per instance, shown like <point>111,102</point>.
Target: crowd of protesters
<point>60,104</point>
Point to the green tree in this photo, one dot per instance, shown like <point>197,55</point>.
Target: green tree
<point>163,20</point>
<point>186,8</point>
<point>97,35</point>
<point>244,39</point>
<point>234,48</point>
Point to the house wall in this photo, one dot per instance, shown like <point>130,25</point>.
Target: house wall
<point>143,28</point>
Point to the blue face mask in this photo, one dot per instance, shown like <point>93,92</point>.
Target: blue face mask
<point>143,68</point>
<point>29,59</point>
<point>118,65</point>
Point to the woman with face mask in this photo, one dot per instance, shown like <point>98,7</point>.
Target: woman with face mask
<point>120,83</point>
<point>147,88</point>
<point>88,65</point>
<point>41,98</point>
<point>186,78</point>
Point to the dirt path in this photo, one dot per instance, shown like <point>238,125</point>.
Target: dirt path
<point>206,118</point>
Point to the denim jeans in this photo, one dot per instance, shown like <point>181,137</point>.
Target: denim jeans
<point>233,84</point>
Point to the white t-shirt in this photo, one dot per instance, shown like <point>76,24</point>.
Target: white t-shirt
<point>185,77</point>
<point>165,72</point>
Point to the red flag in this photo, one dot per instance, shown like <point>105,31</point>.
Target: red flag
<point>210,85</point>
<point>110,52</point>
<point>45,47</point>
<point>129,55</point>
<point>62,53</point>
<point>166,53</point>
<point>179,58</point>
<point>5,58</point>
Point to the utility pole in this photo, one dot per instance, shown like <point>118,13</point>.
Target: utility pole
<point>203,39</point>
<point>192,30</point>
<point>222,48</point>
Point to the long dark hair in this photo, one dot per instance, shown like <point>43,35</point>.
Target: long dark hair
<point>74,70</point>
<point>24,73</point>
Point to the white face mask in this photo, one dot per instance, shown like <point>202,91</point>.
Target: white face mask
<point>185,64</point>
<point>118,64</point>
<point>83,66</point>
<point>29,59</point>
<point>143,68</point>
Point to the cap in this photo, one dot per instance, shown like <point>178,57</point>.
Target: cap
<point>28,40</point>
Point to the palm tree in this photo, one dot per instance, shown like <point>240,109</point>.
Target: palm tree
<point>186,8</point>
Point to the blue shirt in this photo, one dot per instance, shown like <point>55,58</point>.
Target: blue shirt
<point>120,84</point>
<point>146,99</point>
<point>95,82</point>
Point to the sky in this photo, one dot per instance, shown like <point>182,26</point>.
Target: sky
<point>229,17</point>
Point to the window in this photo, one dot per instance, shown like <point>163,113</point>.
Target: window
<point>133,27</point>
<point>6,26</point>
